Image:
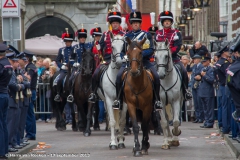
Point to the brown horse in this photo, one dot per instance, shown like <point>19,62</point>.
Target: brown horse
<point>138,92</point>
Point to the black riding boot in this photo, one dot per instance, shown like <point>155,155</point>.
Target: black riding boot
<point>92,97</point>
<point>117,104</point>
<point>71,84</point>
<point>157,103</point>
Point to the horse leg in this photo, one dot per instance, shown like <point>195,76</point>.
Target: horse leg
<point>81,126</point>
<point>122,123</point>
<point>164,124</point>
<point>144,127</point>
<point>74,125</point>
<point>96,126</point>
<point>127,129</point>
<point>87,132</point>
<point>176,122</point>
<point>132,112</point>
<point>112,122</point>
<point>169,134</point>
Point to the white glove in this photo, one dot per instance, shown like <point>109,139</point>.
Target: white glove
<point>126,57</point>
<point>98,46</point>
<point>64,67</point>
<point>76,64</point>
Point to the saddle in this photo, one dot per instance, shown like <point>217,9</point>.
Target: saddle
<point>103,69</point>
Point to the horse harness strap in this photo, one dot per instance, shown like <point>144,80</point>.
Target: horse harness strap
<point>136,94</point>
<point>110,80</point>
<point>168,90</point>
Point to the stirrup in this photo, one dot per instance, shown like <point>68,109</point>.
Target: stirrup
<point>158,105</point>
<point>57,98</point>
<point>116,104</point>
<point>70,98</point>
<point>188,95</point>
<point>92,98</point>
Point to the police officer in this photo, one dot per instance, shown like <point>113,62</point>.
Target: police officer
<point>26,94</point>
<point>221,66</point>
<point>148,50</point>
<point>5,77</point>
<point>194,83</point>
<point>206,91</point>
<point>15,87</point>
<point>62,61</point>
<point>233,81</point>
<point>105,50</point>
<point>76,57</point>
<point>175,40</point>
<point>31,70</point>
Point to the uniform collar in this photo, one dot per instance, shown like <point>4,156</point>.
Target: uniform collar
<point>81,44</point>
<point>69,47</point>
<point>167,29</point>
<point>137,31</point>
<point>115,32</point>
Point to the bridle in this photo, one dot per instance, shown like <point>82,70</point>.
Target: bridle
<point>166,66</point>
<point>114,56</point>
<point>140,69</point>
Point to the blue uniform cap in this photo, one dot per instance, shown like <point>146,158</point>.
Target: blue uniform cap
<point>12,56</point>
<point>196,56</point>
<point>28,53</point>
<point>21,56</point>
<point>11,48</point>
<point>3,47</point>
<point>206,57</point>
<point>224,49</point>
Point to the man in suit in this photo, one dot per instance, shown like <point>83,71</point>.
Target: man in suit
<point>5,77</point>
<point>206,91</point>
<point>194,83</point>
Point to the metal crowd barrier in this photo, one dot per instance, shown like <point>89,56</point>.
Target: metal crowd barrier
<point>43,105</point>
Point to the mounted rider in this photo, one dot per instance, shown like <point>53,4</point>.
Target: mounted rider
<point>76,57</point>
<point>105,49</point>
<point>175,40</point>
<point>62,61</point>
<point>148,50</point>
<point>96,33</point>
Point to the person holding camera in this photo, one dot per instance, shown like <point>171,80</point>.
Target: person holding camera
<point>198,49</point>
<point>206,91</point>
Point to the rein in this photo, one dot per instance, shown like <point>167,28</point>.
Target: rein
<point>165,65</point>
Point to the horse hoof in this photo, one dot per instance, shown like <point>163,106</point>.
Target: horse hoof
<point>165,147</point>
<point>61,128</point>
<point>170,143</point>
<point>137,153</point>
<point>178,134</point>
<point>113,147</point>
<point>175,143</point>
<point>144,152</point>
<point>86,134</point>
<point>121,146</point>
<point>96,129</point>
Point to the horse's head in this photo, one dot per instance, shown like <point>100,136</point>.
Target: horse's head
<point>163,58</point>
<point>117,47</point>
<point>87,63</point>
<point>135,56</point>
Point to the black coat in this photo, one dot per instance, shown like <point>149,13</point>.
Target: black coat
<point>201,51</point>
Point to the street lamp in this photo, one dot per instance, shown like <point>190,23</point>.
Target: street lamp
<point>182,20</point>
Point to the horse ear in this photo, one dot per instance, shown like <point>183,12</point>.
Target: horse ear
<point>166,42</point>
<point>128,40</point>
<point>142,41</point>
<point>111,36</point>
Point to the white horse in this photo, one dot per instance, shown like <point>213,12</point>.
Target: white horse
<point>170,93</point>
<point>117,118</point>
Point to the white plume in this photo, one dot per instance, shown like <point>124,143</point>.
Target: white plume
<point>152,16</point>
<point>134,5</point>
<point>123,24</point>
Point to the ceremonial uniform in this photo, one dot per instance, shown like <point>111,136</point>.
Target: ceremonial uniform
<point>206,93</point>
<point>233,82</point>
<point>196,70</point>
<point>62,60</point>
<point>222,65</point>
<point>105,49</point>
<point>175,42</point>
<point>31,121</point>
<point>5,76</point>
